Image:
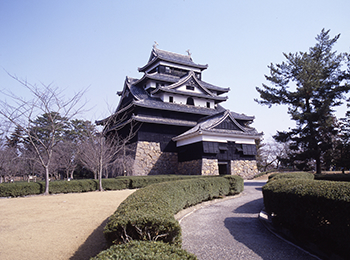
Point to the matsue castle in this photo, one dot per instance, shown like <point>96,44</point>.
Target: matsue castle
<point>180,124</point>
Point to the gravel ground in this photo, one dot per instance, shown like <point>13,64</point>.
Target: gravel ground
<point>231,230</point>
<point>63,226</point>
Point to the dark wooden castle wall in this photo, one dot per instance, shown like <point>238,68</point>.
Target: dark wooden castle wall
<point>214,150</point>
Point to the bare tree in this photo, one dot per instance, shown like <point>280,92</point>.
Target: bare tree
<point>99,153</point>
<point>45,100</point>
<point>271,154</point>
<point>64,158</point>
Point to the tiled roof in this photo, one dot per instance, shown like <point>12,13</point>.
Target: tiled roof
<point>164,121</point>
<point>242,116</point>
<point>213,87</point>
<point>158,54</point>
<point>173,79</point>
<point>208,124</point>
<point>190,77</point>
<point>177,107</point>
<point>157,76</point>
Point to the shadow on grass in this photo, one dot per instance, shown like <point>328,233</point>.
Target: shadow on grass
<point>93,245</point>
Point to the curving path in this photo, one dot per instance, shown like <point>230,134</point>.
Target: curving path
<point>231,230</point>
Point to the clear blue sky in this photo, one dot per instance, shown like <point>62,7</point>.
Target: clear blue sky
<point>76,44</point>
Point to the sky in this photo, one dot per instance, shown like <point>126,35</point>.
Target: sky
<point>95,44</point>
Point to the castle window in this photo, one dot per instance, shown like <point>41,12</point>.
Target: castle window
<point>189,87</point>
<point>167,70</point>
<point>190,101</point>
<point>208,104</point>
<point>171,99</point>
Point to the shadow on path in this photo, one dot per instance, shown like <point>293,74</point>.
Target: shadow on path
<point>93,245</point>
<point>247,229</point>
<point>250,233</point>
<point>254,183</point>
<point>252,207</point>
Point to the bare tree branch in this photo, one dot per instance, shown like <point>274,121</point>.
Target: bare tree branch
<point>45,100</point>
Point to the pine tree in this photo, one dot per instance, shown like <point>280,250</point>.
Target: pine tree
<point>311,84</point>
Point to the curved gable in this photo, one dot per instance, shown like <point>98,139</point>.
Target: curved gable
<point>228,124</point>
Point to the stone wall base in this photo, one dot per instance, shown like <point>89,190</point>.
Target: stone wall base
<point>193,167</point>
<point>150,160</point>
<point>245,168</point>
<point>210,167</point>
<point>199,167</point>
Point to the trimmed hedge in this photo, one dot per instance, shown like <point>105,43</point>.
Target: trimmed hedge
<point>333,177</point>
<point>236,184</point>
<point>314,211</point>
<point>140,250</point>
<point>18,189</point>
<point>148,213</point>
<point>72,186</point>
<point>137,182</point>
<point>291,175</point>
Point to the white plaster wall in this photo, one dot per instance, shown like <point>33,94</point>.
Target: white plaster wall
<point>179,99</point>
<point>221,139</point>
<point>150,84</point>
<point>196,90</point>
<point>179,66</point>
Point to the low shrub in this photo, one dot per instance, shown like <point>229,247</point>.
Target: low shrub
<point>236,184</point>
<point>137,182</point>
<point>316,211</point>
<point>333,177</point>
<point>72,186</point>
<point>18,189</point>
<point>140,250</point>
<point>148,213</point>
<point>120,183</point>
<point>292,175</point>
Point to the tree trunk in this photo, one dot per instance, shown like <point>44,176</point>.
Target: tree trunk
<point>71,174</point>
<point>47,181</point>
<point>100,188</point>
<point>318,165</point>
<point>124,167</point>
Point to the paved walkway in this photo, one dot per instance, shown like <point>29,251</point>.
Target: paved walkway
<point>231,230</point>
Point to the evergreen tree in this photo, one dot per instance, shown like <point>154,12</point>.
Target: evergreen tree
<point>15,138</point>
<point>311,84</point>
<point>48,127</point>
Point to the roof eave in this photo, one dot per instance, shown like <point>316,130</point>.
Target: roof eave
<point>210,133</point>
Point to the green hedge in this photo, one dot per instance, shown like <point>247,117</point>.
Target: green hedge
<point>314,211</point>
<point>333,177</point>
<point>236,184</point>
<point>137,182</point>
<point>148,213</point>
<point>72,186</point>
<point>141,250</point>
<point>18,189</point>
<point>291,175</point>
